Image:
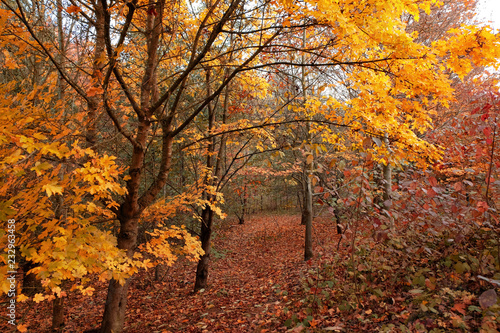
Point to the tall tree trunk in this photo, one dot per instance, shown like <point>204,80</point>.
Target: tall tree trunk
<point>134,203</point>
<point>307,213</point>
<point>58,302</point>
<point>207,214</point>
<point>303,202</point>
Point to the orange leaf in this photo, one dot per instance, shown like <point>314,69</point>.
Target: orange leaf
<point>459,307</point>
<point>73,9</point>
<point>22,328</point>
<point>94,91</point>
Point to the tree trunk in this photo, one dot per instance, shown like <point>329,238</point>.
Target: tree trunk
<point>57,314</point>
<point>387,175</point>
<point>308,171</point>
<point>387,186</point>
<point>308,215</point>
<point>116,301</point>
<point>387,183</point>
<point>207,215</point>
<point>58,302</point>
<point>203,263</point>
<point>114,311</point>
<point>303,204</point>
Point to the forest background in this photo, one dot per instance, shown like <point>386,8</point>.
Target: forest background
<point>133,131</point>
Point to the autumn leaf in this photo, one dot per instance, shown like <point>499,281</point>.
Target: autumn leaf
<point>482,206</point>
<point>73,9</point>
<point>460,308</point>
<point>22,328</point>
<point>52,188</point>
<point>39,298</point>
<point>93,91</point>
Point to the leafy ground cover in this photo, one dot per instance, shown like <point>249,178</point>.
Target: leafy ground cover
<point>259,283</point>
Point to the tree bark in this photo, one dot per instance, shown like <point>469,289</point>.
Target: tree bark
<point>205,238</point>
<point>387,171</point>
<point>116,301</point>
<point>207,214</point>
<point>57,314</point>
<point>308,246</point>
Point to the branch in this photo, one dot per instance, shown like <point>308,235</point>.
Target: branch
<point>65,77</point>
<point>215,32</point>
<point>113,55</point>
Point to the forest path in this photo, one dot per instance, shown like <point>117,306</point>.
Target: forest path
<point>255,272</point>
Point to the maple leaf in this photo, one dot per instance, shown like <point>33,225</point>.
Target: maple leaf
<point>39,298</point>
<point>73,9</point>
<point>22,328</point>
<point>52,188</point>
<point>459,307</point>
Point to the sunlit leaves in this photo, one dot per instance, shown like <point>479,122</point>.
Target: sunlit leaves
<point>168,243</point>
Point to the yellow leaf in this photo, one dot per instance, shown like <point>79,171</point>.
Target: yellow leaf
<point>52,188</point>
<point>38,298</point>
<point>39,167</point>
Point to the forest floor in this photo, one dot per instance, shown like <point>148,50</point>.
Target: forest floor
<point>259,282</point>
<point>255,276</point>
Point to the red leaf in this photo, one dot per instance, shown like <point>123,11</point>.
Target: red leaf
<point>482,206</point>
<point>485,116</point>
<point>433,181</point>
<point>487,131</point>
<point>487,107</point>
